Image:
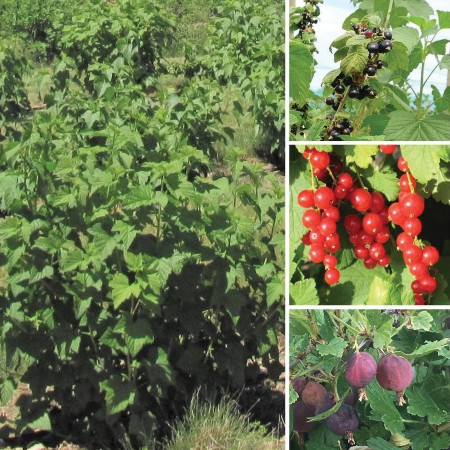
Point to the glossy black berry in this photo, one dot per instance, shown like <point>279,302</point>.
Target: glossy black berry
<point>370,71</point>
<point>335,106</point>
<point>380,64</point>
<point>354,92</point>
<point>339,89</point>
<point>345,123</point>
<point>350,127</point>
<point>348,81</point>
<point>372,93</point>
<point>388,35</point>
<point>335,135</point>
<point>385,46</point>
<point>373,47</point>
<point>346,131</point>
<point>329,101</point>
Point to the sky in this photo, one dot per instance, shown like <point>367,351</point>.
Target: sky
<point>332,15</point>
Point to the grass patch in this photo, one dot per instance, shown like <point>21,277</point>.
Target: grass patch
<point>219,427</point>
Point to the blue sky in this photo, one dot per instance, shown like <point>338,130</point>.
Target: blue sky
<point>333,14</point>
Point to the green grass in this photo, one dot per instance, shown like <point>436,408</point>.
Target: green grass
<point>219,427</point>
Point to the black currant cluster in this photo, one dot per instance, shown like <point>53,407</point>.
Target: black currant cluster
<point>307,20</point>
<point>344,127</point>
<point>353,86</point>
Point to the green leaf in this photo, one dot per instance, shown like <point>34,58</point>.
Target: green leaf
<point>405,126</point>
<point>397,58</point>
<point>422,321</point>
<point>383,407</point>
<point>121,290</point>
<point>408,36</point>
<point>304,293</point>
<point>380,444</point>
<point>379,292</point>
<point>137,334</point>
<point>355,61</point>
<point>425,349</point>
<point>421,403</point>
<point>418,8</point>
<point>423,161</point>
<point>7,389</point>
<point>335,347</point>
<point>384,181</point>
<point>118,394</point>
<point>444,19</point>
<point>300,71</point>
<point>361,155</point>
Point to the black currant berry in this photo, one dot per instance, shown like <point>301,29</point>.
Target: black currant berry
<point>372,93</point>
<point>355,26</point>
<point>335,106</point>
<point>380,64</point>
<point>348,81</point>
<point>329,101</point>
<point>370,71</point>
<point>339,89</point>
<point>346,131</point>
<point>350,127</point>
<point>335,135</point>
<point>388,35</point>
<point>373,47</point>
<point>345,123</point>
<point>385,46</point>
<point>354,92</point>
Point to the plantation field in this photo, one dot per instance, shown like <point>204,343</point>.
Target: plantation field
<point>141,218</point>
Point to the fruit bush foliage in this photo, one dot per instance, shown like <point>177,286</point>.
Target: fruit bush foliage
<point>388,107</point>
<point>387,277</point>
<point>127,278</point>
<point>322,346</point>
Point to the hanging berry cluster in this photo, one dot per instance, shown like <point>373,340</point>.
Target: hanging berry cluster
<point>368,225</point>
<point>353,86</point>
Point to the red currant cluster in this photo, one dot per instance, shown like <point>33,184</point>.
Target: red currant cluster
<point>368,225</point>
<point>405,213</point>
<point>321,217</point>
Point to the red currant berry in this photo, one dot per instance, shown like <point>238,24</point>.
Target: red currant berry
<point>321,174</point>
<point>395,214</point>
<point>332,243</point>
<point>361,199</point>
<point>370,263</point>
<point>365,238</point>
<point>412,205</point>
<point>428,284</point>
<point>316,237</point>
<point>306,198</point>
<point>311,218</point>
<point>416,288</point>
<point>377,204</point>
<point>319,160</point>
<point>346,181</point>
<point>418,299</point>
<point>388,149</point>
<point>352,223</point>
<point>307,152</point>
<point>361,251</point>
<point>372,223</point>
<point>323,197</point>
<point>340,192</point>
<point>384,261</point>
<point>412,226</point>
<point>353,238</point>
<point>419,270</point>
<point>327,227</point>
<point>403,240</point>
<point>430,255</point>
<point>402,195</point>
<point>306,239</point>
<point>412,254</point>
<point>330,261</point>
<point>383,235</point>
<point>316,253</point>
<point>377,251</point>
<point>402,164</point>
<point>404,183</point>
<point>332,213</point>
<point>332,276</point>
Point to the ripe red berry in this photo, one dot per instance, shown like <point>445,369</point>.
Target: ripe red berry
<point>383,235</point>
<point>323,197</point>
<point>418,299</point>
<point>345,180</point>
<point>306,198</point>
<point>316,237</point>
<point>352,223</point>
<point>332,276</point>
<point>361,251</point>
<point>370,263</point>
<point>430,255</point>
<point>403,240</point>
<point>394,373</point>
<point>404,183</point>
<point>412,205</point>
<point>412,254</point>
<point>378,203</point>
<point>340,192</point>
<point>402,164</point>
<point>307,152</point>
<point>416,288</point>
<point>327,227</point>
<point>319,159</point>
<point>419,270</point>
<point>361,199</point>
<point>395,214</point>
<point>360,369</point>
<point>316,253</point>
<point>377,251</point>
<point>372,223</point>
<point>428,284</point>
<point>332,243</point>
<point>384,261</point>
<point>306,239</point>
<point>330,261</point>
<point>332,213</point>
<point>321,174</point>
<point>364,238</point>
<point>412,226</point>
<point>311,218</point>
<point>388,149</point>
